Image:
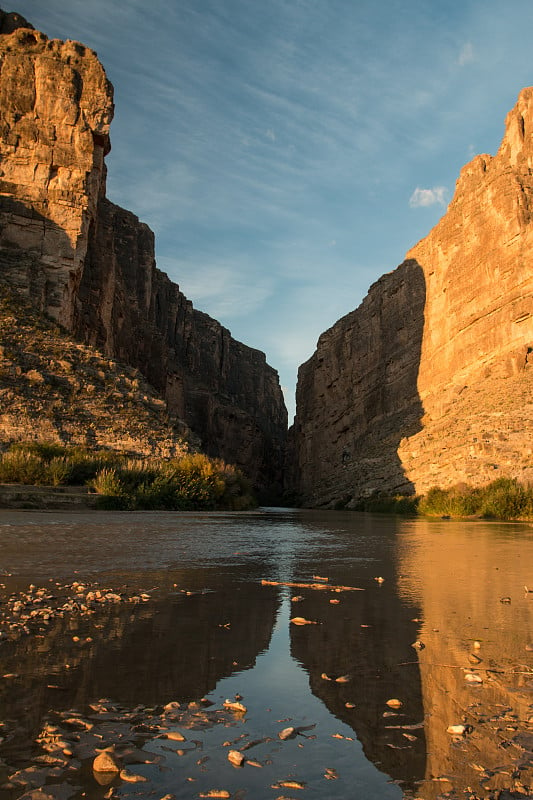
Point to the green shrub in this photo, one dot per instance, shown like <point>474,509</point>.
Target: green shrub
<point>58,471</point>
<point>18,466</point>
<point>191,482</point>
<point>45,450</point>
<point>107,481</point>
<point>504,498</point>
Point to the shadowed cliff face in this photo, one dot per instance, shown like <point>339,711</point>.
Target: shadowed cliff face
<point>90,264</point>
<point>224,390</point>
<point>357,395</point>
<point>430,380</point>
<point>10,21</point>
<point>166,650</point>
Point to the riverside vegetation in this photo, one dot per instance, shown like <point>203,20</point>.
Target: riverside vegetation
<point>504,498</point>
<point>194,481</point>
<point>189,482</point>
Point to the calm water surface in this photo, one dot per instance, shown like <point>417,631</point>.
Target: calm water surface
<point>211,630</point>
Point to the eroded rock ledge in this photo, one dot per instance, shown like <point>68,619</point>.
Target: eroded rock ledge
<point>429,382</point>
<point>90,264</point>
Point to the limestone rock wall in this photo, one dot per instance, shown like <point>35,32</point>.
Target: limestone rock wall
<point>429,381</point>
<point>357,394</point>
<point>90,264</point>
<point>56,108</point>
<point>225,391</point>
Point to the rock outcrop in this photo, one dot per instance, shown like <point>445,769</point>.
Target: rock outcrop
<point>53,389</point>
<point>90,264</point>
<point>429,382</point>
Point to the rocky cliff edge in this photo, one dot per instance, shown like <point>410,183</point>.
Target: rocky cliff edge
<point>90,265</point>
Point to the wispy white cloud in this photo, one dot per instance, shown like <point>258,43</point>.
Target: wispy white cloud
<point>422,198</point>
<point>226,290</point>
<point>466,56</point>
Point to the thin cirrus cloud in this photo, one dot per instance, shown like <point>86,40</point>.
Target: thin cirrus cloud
<point>466,56</point>
<point>223,287</point>
<point>422,198</point>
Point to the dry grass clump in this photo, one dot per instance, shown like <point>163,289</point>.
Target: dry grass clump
<point>504,498</point>
<point>189,482</point>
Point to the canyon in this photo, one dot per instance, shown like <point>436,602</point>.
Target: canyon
<point>90,266</point>
<point>429,382</point>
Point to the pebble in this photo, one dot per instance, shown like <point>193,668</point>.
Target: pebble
<point>132,777</point>
<point>175,736</point>
<point>239,708</point>
<point>459,730</point>
<point>394,703</point>
<point>106,761</point>
<point>236,758</point>
<point>287,733</point>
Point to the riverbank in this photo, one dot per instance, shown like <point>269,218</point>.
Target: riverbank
<point>502,499</point>
<point>67,498</point>
<point>56,476</point>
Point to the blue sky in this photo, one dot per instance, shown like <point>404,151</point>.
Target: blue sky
<point>289,152</point>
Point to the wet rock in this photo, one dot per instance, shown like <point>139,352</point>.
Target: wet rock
<point>175,736</point>
<point>459,730</point>
<point>394,703</point>
<point>106,761</point>
<point>287,733</point>
<point>132,777</point>
<point>289,784</point>
<point>342,679</point>
<point>235,706</point>
<point>236,758</point>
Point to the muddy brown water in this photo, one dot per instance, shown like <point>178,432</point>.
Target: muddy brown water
<point>209,630</point>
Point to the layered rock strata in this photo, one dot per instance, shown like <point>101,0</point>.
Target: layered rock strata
<point>90,264</point>
<point>429,382</point>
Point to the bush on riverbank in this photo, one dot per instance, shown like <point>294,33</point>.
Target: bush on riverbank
<point>504,498</point>
<point>193,481</point>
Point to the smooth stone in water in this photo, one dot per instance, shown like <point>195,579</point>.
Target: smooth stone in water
<point>106,762</point>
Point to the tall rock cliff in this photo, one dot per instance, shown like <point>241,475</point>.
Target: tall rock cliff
<point>429,382</point>
<point>90,264</point>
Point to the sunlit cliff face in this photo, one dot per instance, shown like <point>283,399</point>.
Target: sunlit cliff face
<point>429,381</point>
<point>459,577</point>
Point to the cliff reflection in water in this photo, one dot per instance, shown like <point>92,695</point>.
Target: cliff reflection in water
<point>367,636</point>
<point>174,648</point>
<point>459,573</point>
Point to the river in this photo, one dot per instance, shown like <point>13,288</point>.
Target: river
<point>214,624</point>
